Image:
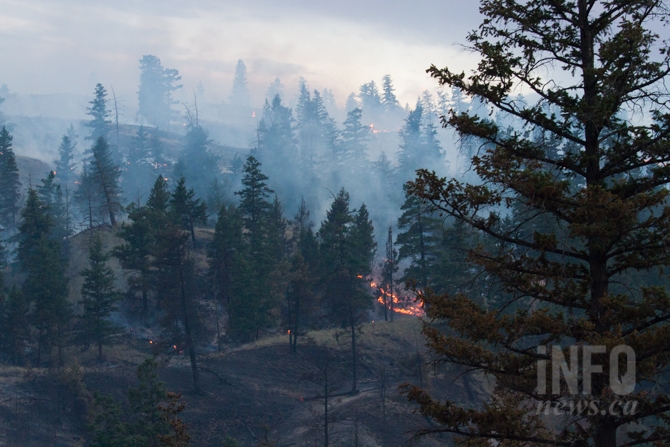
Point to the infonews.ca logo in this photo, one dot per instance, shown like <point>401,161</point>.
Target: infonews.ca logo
<point>581,401</point>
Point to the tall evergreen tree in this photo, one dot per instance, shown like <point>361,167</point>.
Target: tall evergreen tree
<point>98,297</point>
<point>276,88</point>
<point>388,94</point>
<point>178,291</point>
<point>100,183</point>
<point>57,204</point>
<point>352,150</point>
<point>347,247</point>
<point>135,254</point>
<point>254,203</point>
<point>303,279</point>
<point>99,114</point>
<point>197,163</point>
<point>368,93</point>
<point>605,195</point>
<point>45,285</point>
<point>10,191</point>
<point>278,144</point>
<point>157,85</point>
<point>250,309</point>
<point>419,240</point>
<point>240,92</point>
<point>225,251</point>
<point>139,167</point>
<point>65,162</point>
<point>186,208</point>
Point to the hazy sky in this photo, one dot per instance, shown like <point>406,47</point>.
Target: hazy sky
<point>66,46</point>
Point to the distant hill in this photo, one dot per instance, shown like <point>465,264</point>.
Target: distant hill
<point>31,170</point>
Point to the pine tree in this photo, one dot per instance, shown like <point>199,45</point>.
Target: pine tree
<point>388,96</point>
<point>139,169</point>
<point>45,285</point>
<point>409,155</point>
<point>52,196</point>
<point>99,114</point>
<point>100,183</point>
<point>347,247</point>
<point>157,85</point>
<point>250,307</point>
<point>368,93</point>
<point>224,254</point>
<point>240,93</point>
<point>604,193</point>
<point>351,103</point>
<point>135,254</point>
<point>140,422</point>
<point>254,204</point>
<point>177,289</point>
<point>99,297</point>
<point>10,191</point>
<point>186,208</point>
<point>196,162</point>
<point>276,88</point>
<point>352,150</point>
<point>277,141</point>
<point>303,279</point>
<point>65,163</point>
<point>419,240</point>
<point>145,400</point>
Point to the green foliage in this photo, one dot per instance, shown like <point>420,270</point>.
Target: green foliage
<point>10,191</point>
<point>347,249</point>
<point>186,208</point>
<point>240,92</point>
<point>225,251</point>
<point>99,114</point>
<point>419,146</point>
<point>144,402</point>
<point>571,209</point>
<point>51,194</point>
<point>139,167</point>
<point>99,298</point>
<point>99,193</point>
<point>65,163</point>
<point>276,141</point>
<point>352,148</point>
<point>14,309</point>
<point>155,92</point>
<point>419,240</point>
<point>142,423</point>
<point>196,162</point>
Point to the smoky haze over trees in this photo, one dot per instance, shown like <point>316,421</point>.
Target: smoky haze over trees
<point>267,254</point>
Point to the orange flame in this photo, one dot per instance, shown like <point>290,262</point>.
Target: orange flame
<point>400,306</point>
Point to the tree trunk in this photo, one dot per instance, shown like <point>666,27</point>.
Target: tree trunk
<point>187,328</point>
<point>391,287</point>
<point>354,357</point>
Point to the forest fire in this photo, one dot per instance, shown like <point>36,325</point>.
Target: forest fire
<point>401,305</point>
